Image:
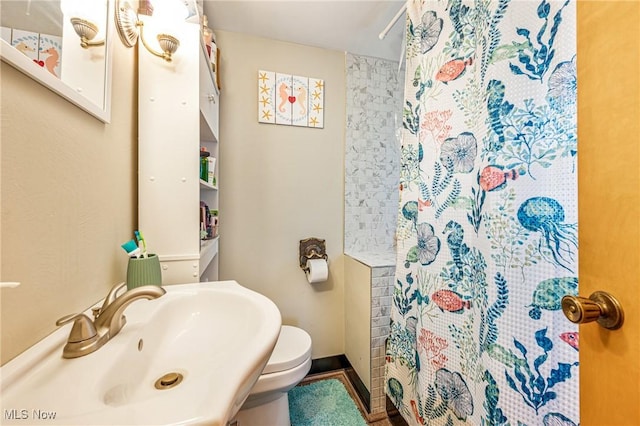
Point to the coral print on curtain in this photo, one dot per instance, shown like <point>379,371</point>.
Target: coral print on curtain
<point>487,229</point>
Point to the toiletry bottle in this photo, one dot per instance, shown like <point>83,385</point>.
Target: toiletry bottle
<point>214,223</point>
<point>207,35</point>
<point>212,169</point>
<point>214,54</point>
<point>204,168</point>
<point>204,164</point>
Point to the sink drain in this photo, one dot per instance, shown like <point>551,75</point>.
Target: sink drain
<point>169,381</point>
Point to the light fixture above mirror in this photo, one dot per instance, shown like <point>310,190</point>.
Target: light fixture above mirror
<point>130,28</point>
<point>84,16</point>
<point>87,31</point>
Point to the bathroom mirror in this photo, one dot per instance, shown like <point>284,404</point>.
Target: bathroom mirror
<point>39,39</point>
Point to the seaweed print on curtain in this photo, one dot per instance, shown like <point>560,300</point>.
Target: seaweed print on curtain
<point>487,229</point>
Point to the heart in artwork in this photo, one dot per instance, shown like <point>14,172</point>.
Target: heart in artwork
<point>292,99</point>
<point>41,63</point>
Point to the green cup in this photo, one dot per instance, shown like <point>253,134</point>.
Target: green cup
<point>144,271</point>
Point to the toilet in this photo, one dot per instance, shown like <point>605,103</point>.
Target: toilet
<point>268,402</point>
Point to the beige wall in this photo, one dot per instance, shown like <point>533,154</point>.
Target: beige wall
<point>68,201</point>
<point>280,184</point>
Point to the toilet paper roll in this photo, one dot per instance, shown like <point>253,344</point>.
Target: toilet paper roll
<point>318,270</point>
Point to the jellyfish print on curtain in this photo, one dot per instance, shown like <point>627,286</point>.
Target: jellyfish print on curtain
<point>487,227</point>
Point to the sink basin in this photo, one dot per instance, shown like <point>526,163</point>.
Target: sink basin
<point>203,344</point>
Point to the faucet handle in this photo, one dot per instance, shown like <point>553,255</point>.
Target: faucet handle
<point>111,296</point>
<point>113,293</point>
<point>83,328</point>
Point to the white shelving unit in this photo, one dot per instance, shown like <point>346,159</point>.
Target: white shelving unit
<point>177,116</point>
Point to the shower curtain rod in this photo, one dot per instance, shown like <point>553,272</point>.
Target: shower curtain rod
<point>384,32</point>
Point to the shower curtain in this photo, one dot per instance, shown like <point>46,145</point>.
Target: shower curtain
<point>487,225</point>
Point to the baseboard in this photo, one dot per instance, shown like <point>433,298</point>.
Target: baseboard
<point>360,388</point>
<point>330,363</point>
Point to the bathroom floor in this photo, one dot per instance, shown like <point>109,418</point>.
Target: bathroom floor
<point>372,420</point>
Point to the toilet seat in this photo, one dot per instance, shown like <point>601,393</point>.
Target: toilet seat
<point>292,349</point>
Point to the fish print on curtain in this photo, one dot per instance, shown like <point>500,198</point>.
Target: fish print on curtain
<point>487,229</point>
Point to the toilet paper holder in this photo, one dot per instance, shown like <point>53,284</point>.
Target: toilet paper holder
<point>311,248</point>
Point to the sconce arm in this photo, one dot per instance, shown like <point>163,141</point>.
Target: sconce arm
<point>86,43</point>
<point>162,38</point>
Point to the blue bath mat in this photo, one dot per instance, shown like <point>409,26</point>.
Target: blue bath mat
<point>323,403</point>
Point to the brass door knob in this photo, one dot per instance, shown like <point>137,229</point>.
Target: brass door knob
<point>600,307</point>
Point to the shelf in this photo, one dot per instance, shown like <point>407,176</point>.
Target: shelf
<point>208,250</point>
<point>207,185</point>
<point>178,112</point>
<point>209,98</point>
<point>205,55</point>
<point>206,134</point>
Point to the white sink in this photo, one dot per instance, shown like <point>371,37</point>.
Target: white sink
<point>217,335</point>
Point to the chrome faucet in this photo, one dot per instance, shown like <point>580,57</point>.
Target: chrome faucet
<point>88,336</point>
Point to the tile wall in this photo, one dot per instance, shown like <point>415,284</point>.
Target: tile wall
<point>372,158</point>
<point>381,291</point>
<point>372,165</point>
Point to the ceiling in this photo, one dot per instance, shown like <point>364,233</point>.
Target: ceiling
<point>351,26</point>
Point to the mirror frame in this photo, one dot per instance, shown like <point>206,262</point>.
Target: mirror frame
<point>25,65</point>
